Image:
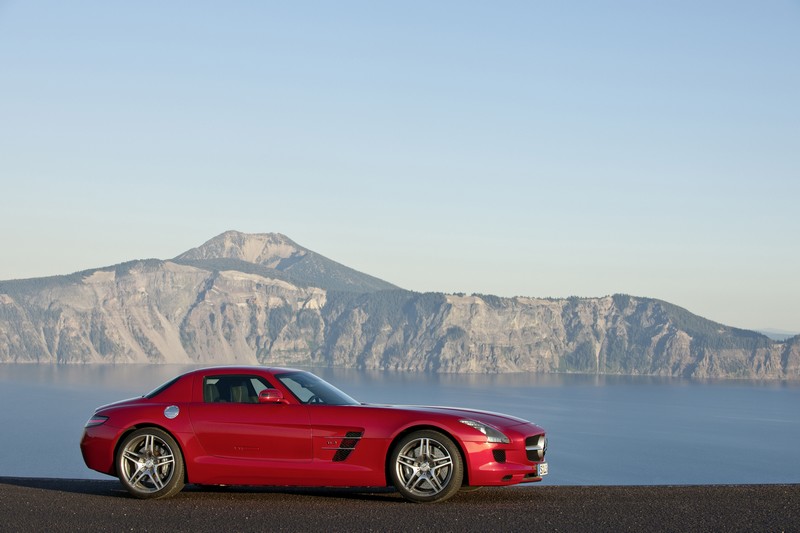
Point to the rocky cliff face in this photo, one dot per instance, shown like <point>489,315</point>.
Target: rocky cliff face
<point>262,299</point>
<point>611,335</point>
<point>160,312</point>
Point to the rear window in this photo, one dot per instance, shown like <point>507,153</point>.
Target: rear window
<point>162,388</point>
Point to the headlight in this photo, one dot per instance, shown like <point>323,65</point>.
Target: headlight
<point>492,435</point>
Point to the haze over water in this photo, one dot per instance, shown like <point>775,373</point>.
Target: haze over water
<point>601,430</point>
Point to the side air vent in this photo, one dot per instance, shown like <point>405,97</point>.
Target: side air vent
<point>347,446</point>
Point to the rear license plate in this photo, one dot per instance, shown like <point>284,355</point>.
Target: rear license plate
<point>541,469</point>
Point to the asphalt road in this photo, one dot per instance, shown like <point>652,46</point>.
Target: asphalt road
<point>85,505</point>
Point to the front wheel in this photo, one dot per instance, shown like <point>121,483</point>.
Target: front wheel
<point>426,466</point>
<point>150,464</point>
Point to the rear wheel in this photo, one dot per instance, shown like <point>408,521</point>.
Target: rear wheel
<point>426,466</point>
<point>150,464</point>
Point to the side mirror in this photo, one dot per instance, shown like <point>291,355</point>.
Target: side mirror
<point>271,396</point>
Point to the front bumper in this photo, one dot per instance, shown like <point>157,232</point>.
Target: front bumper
<point>495,464</point>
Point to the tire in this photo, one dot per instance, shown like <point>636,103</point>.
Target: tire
<point>150,464</point>
<point>426,467</point>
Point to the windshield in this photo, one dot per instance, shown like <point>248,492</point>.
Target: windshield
<point>308,388</point>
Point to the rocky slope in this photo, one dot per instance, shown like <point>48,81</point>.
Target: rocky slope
<point>264,299</point>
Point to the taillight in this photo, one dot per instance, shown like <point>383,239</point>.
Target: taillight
<point>96,420</point>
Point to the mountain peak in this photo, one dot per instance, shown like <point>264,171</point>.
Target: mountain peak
<point>267,249</point>
<point>278,254</point>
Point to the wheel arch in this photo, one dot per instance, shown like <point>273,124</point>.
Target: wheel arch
<point>422,427</point>
<point>145,425</point>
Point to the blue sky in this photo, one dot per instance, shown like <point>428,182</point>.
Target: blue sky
<point>511,148</point>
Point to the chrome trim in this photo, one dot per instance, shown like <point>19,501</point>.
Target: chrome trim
<point>536,451</point>
<point>342,440</point>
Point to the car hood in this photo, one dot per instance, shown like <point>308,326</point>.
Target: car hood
<point>488,417</point>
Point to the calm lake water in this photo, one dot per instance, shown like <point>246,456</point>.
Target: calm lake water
<point>601,430</point>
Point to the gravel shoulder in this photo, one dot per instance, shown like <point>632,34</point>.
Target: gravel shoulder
<point>89,505</point>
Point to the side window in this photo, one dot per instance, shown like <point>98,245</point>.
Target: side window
<point>210,390</point>
<point>233,389</point>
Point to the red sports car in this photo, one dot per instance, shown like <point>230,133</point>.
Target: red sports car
<point>278,426</point>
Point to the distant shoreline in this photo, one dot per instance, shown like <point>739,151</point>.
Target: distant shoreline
<point>136,364</point>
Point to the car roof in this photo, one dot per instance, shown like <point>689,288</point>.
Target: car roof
<point>241,369</point>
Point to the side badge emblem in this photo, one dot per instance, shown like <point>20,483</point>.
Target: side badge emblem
<point>172,411</point>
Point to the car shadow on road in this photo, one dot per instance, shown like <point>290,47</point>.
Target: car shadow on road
<point>76,486</point>
<point>112,488</point>
<point>350,493</point>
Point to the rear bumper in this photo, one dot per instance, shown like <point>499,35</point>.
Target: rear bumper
<point>97,448</point>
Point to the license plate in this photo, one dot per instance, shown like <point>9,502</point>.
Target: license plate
<point>541,469</point>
